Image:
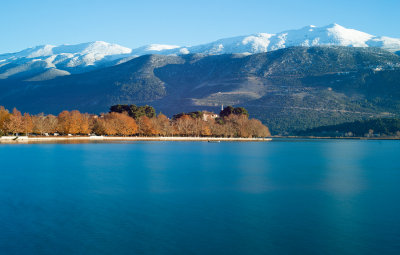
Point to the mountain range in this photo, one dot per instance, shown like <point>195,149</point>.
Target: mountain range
<point>289,88</point>
<point>48,61</point>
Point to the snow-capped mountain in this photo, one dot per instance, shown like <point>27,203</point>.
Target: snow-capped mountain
<point>331,35</point>
<point>48,61</point>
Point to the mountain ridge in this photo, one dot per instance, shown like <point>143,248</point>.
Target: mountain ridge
<point>35,63</point>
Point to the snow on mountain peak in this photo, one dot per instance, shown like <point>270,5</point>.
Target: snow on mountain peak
<point>41,51</point>
<point>64,58</point>
<point>330,35</point>
<point>155,49</point>
<point>160,47</point>
<point>98,47</point>
<point>259,42</point>
<point>104,48</point>
<point>347,37</point>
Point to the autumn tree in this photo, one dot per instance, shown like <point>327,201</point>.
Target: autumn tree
<point>216,128</point>
<point>73,123</point>
<point>115,124</point>
<point>200,127</point>
<point>229,128</point>
<point>205,129</point>
<point>125,125</point>
<point>240,126</point>
<point>4,118</point>
<point>44,123</point>
<point>39,123</point>
<point>14,124</point>
<point>84,123</point>
<point>184,125</point>
<point>51,124</point>
<point>64,122</point>
<point>146,126</point>
<point>27,123</point>
<point>187,125</point>
<point>103,126</point>
<point>163,125</point>
<point>257,129</point>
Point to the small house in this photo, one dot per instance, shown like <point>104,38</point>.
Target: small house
<point>209,115</point>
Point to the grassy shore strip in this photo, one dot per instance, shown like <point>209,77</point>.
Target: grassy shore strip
<point>129,138</point>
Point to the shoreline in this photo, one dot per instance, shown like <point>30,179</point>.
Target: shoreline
<point>86,139</point>
<point>27,139</point>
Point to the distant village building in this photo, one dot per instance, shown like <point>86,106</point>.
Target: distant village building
<point>209,115</point>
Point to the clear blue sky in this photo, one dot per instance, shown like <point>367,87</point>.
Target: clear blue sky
<point>26,23</point>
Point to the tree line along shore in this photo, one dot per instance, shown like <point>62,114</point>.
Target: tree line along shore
<point>385,128</point>
<point>132,120</point>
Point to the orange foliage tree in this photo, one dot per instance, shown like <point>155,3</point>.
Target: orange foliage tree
<point>184,125</point>
<point>27,123</point>
<point>39,123</point>
<point>146,126</point>
<point>44,123</point>
<point>242,126</point>
<point>4,118</point>
<point>14,124</point>
<point>51,124</point>
<point>73,123</point>
<point>115,123</point>
<point>257,129</point>
<point>163,125</point>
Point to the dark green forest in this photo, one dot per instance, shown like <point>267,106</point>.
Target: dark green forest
<point>364,128</point>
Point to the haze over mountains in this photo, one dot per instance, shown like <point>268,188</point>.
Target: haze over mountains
<point>293,80</point>
<point>48,61</point>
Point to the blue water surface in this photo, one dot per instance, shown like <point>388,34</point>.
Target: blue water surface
<point>279,197</point>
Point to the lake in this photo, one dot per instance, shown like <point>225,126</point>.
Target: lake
<point>280,197</point>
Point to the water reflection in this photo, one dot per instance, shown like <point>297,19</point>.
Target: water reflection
<point>344,173</point>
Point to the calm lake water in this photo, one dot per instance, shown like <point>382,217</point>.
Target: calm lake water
<point>279,197</point>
